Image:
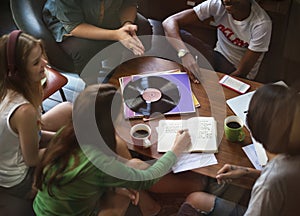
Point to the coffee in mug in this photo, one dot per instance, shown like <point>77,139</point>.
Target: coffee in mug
<point>233,129</point>
<point>233,124</point>
<point>140,134</point>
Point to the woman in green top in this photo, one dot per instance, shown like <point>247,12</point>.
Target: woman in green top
<point>68,178</point>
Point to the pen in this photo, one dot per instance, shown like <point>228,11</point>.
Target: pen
<point>148,118</point>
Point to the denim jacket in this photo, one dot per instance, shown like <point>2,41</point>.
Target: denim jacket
<point>62,16</point>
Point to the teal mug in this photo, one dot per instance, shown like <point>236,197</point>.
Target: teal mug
<point>233,129</point>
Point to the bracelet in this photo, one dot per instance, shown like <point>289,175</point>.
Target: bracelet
<point>128,21</point>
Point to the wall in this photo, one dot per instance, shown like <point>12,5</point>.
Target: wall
<point>292,46</point>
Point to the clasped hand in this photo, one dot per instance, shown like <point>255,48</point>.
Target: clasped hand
<point>133,195</point>
<point>129,39</point>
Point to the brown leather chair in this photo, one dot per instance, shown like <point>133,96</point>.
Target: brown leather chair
<point>27,15</point>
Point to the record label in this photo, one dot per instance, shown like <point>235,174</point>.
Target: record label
<point>151,94</point>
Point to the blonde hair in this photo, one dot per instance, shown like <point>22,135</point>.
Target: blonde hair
<point>20,83</point>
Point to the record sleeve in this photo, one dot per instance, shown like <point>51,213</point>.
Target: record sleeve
<point>180,79</point>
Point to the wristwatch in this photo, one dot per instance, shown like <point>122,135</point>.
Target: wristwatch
<point>182,52</point>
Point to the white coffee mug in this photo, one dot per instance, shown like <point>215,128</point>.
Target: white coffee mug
<point>140,134</point>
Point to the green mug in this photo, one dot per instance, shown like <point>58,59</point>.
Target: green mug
<point>233,128</point>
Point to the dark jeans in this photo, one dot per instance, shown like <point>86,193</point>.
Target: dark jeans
<point>82,50</point>
<point>217,60</point>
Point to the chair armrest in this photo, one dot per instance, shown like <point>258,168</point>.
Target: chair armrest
<point>55,81</point>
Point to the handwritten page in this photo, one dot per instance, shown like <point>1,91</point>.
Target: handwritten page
<point>251,154</point>
<point>193,161</point>
<point>202,130</point>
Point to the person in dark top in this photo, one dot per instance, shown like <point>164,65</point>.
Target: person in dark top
<point>84,27</point>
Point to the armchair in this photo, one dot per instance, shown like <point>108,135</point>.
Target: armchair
<point>27,15</point>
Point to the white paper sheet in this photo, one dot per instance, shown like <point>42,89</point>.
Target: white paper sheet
<point>193,161</point>
<point>251,154</point>
<point>260,152</point>
<point>239,105</point>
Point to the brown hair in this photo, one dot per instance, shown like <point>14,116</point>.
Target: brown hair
<point>65,144</point>
<point>20,83</point>
<point>270,117</point>
<point>58,154</point>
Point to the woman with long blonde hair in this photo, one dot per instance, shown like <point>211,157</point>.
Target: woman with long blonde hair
<point>22,126</point>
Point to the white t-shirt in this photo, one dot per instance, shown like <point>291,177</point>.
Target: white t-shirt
<point>277,190</point>
<point>12,166</point>
<point>235,37</point>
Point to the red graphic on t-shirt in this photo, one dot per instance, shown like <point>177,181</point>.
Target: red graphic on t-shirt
<point>229,34</point>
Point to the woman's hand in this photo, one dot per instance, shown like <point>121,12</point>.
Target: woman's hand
<point>133,195</point>
<point>182,142</point>
<point>229,172</point>
<point>127,36</point>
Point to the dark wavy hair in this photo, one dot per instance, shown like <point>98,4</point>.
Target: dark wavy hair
<point>65,144</point>
<point>271,116</point>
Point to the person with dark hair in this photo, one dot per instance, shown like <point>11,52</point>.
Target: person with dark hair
<point>23,128</point>
<point>243,35</point>
<point>272,120</point>
<point>83,28</point>
<point>78,169</point>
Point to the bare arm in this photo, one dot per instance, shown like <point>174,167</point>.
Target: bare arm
<point>172,26</point>
<point>174,23</point>
<point>246,64</point>
<point>85,30</point>
<point>25,122</point>
<point>126,35</point>
<point>229,172</point>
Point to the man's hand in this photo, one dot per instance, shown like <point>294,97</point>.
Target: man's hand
<point>191,64</point>
<point>127,36</point>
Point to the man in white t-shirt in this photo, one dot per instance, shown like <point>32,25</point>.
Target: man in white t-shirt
<point>243,35</point>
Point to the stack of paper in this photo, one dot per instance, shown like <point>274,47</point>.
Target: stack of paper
<point>194,161</point>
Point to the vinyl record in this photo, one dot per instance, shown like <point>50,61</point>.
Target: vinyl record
<point>151,94</point>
